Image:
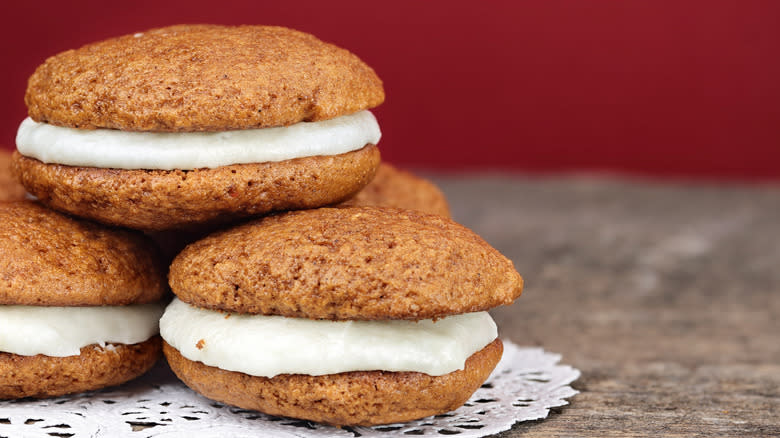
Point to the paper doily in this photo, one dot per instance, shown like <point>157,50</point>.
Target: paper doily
<point>524,386</point>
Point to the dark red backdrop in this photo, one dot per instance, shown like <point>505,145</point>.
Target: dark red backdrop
<point>683,88</point>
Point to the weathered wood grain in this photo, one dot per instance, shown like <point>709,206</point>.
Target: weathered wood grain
<point>665,296</point>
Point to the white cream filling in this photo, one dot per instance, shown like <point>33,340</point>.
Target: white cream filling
<point>62,331</point>
<point>269,345</point>
<point>111,148</point>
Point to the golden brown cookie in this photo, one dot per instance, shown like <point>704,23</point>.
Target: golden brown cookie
<point>50,259</point>
<point>349,263</point>
<point>55,261</point>
<point>201,78</point>
<point>354,398</point>
<point>96,367</point>
<point>195,78</point>
<point>162,199</point>
<point>393,187</point>
<point>10,188</point>
<point>346,263</point>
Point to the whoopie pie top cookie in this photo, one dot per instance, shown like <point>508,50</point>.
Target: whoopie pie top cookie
<point>10,189</point>
<point>393,187</point>
<point>50,259</point>
<point>360,263</point>
<point>201,78</point>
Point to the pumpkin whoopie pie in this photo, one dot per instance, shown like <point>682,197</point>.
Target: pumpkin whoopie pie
<point>194,124</point>
<point>10,188</point>
<point>394,187</point>
<point>79,303</point>
<point>345,316</point>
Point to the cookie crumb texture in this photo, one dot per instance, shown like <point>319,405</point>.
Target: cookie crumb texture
<point>201,78</point>
<point>365,263</point>
<point>363,398</point>
<point>10,188</point>
<point>393,187</point>
<point>96,367</point>
<point>167,199</point>
<point>49,259</point>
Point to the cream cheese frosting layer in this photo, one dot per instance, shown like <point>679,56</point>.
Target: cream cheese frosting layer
<point>266,346</point>
<point>115,149</point>
<point>63,331</point>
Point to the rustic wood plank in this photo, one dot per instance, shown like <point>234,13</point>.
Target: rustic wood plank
<point>665,295</point>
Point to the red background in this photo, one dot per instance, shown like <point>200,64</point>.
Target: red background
<point>669,88</point>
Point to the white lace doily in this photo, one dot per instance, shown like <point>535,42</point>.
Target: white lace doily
<point>524,386</point>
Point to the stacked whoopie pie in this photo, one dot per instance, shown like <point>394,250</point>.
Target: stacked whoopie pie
<point>79,303</point>
<point>195,124</point>
<point>347,315</point>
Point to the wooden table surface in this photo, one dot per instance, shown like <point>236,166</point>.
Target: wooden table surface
<point>665,295</point>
